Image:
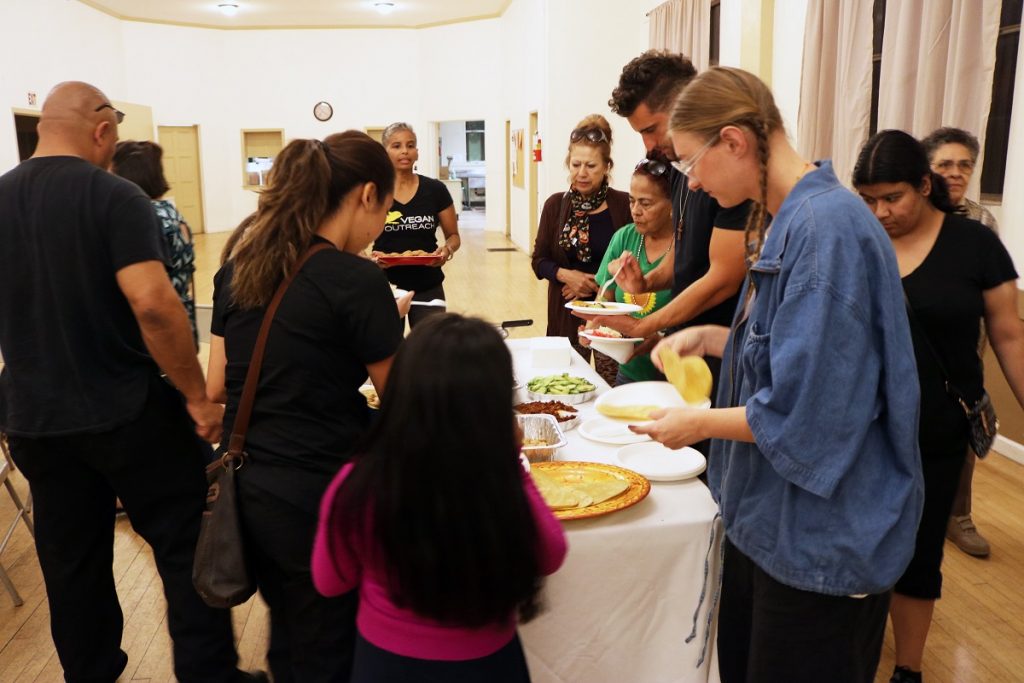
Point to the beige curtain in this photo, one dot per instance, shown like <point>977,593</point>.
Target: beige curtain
<point>939,70</point>
<point>835,90</point>
<point>683,26</point>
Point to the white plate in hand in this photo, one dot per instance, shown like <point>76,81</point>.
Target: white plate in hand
<point>659,394</point>
<point>660,463</point>
<point>606,308</point>
<point>615,432</point>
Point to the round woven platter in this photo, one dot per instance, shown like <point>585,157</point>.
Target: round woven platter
<point>638,489</point>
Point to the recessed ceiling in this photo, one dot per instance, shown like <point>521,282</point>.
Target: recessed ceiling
<point>256,14</point>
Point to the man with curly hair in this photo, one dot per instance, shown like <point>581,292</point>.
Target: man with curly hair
<point>708,268</point>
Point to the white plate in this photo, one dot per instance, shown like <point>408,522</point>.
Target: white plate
<point>589,334</point>
<point>609,308</point>
<point>659,463</point>
<point>661,394</point>
<point>615,432</point>
<point>613,348</point>
<point>399,292</point>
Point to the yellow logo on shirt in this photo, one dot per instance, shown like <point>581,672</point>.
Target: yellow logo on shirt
<point>393,217</point>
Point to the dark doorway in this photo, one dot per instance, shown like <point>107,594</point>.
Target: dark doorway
<point>28,138</point>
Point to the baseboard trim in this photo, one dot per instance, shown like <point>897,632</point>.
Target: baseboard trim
<point>1010,449</point>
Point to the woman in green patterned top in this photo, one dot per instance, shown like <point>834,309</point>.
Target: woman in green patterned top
<point>649,238</point>
<point>140,162</point>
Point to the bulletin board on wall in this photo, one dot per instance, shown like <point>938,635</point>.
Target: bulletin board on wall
<point>517,159</point>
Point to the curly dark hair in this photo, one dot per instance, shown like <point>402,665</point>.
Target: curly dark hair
<point>654,78</point>
<point>944,136</point>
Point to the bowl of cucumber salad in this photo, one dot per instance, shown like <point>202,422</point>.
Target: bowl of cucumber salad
<point>562,387</point>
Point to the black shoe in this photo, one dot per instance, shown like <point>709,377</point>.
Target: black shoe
<point>902,674</point>
<point>251,677</point>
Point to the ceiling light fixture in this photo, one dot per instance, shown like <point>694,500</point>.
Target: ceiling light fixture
<point>384,7</point>
<point>229,9</point>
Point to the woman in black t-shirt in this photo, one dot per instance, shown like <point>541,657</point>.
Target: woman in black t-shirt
<point>336,323</point>
<point>955,273</point>
<point>419,206</point>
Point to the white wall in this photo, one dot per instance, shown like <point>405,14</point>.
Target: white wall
<point>1011,213</point>
<point>44,42</point>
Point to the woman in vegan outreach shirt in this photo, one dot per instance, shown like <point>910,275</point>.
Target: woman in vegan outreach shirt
<point>420,205</point>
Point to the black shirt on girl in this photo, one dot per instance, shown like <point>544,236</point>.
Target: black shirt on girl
<point>337,317</point>
<point>947,295</point>
<point>413,226</point>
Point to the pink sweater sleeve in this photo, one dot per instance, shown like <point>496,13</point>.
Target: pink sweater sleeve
<point>339,571</point>
<point>551,543</point>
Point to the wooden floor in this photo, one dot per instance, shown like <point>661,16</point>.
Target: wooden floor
<point>978,634</point>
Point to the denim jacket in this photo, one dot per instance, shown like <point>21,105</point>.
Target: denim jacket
<point>829,496</point>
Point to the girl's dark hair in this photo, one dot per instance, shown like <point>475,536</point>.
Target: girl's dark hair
<point>228,250</point>
<point>140,162</point>
<point>893,156</point>
<point>306,185</point>
<point>440,478</point>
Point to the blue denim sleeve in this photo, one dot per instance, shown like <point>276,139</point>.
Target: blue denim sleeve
<point>819,371</point>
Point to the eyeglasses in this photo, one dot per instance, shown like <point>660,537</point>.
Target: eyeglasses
<point>685,166</point>
<point>117,112</point>
<point>947,165</point>
<point>654,167</point>
<point>595,135</point>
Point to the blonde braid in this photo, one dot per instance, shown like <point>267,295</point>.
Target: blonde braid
<point>757,220</point>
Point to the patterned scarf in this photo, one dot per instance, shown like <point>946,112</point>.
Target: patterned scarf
<point>576,231</point>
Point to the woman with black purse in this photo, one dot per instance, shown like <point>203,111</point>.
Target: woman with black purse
<point>955,272</point>
<point>337,322</point>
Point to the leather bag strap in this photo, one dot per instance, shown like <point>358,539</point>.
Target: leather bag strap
<point>241,423</point>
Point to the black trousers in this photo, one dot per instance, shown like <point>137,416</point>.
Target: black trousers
<point>376,665</point>
<point>418,313</point>
<point>771,633</point>
<point>311,637</point>
<point>155,466</point>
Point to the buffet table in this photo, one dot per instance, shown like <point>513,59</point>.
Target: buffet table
<point>623,603</point>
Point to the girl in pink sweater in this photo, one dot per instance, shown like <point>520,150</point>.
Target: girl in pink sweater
<point>436,523</point>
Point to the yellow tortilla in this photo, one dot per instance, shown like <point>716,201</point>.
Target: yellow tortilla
<point>557,495</point>
<point>603,490</point>
<point>627,412</point>
<point>690,375</point>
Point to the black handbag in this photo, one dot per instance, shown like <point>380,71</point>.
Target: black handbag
<point>220,572</point>
<point>981,415</point>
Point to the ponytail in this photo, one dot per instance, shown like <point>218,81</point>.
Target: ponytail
<point>305,186</point>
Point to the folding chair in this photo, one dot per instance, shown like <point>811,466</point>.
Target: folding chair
<point>22,510</point>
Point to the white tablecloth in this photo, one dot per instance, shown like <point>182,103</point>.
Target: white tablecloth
<point>623,603</point>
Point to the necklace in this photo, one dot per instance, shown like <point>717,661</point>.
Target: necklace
<point>640,249</point>
<point>646,300</point>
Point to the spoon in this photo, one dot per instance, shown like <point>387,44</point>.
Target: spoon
<point>433,302</point>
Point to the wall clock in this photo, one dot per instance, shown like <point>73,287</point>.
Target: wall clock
<point>323,111</point>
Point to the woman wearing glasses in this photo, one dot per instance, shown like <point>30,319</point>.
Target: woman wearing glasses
<point>649,239</point>
<point>576,227</point>
<point>814,463</point>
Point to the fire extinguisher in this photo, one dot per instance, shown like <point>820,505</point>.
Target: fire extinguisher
<point>536,150</point>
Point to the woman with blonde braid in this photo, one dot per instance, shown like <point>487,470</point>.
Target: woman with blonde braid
<point>814,462</point>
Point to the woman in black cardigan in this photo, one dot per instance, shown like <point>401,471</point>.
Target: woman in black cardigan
<point>576,227</point>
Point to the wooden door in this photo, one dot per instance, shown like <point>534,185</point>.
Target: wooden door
<point>182,170</point>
